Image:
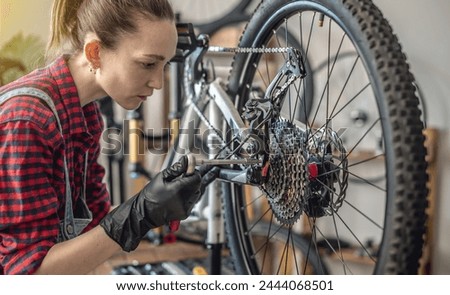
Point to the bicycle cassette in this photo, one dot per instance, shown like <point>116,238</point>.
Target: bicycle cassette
<point>285,185</point>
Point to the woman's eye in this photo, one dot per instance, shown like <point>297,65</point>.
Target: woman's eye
<point>148,65</point>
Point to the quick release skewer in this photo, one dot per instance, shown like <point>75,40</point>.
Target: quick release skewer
<point>193,162</point>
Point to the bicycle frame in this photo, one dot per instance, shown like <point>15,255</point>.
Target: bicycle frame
<point>201,93</point>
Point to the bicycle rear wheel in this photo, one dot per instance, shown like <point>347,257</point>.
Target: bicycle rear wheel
<point>359,175</point>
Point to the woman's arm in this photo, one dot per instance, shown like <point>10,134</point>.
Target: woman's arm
<point>79,255</point>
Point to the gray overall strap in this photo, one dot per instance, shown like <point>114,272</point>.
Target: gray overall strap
<point>30,91</point>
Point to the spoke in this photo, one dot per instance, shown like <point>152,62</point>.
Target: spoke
<point>311,29</point>
<point>367,181</point>
<point>302,82</point>
<point>345,84</point>
<point>261,75</point>
<point>374,158</point>
<point>314,242</point>
<point>300,29</point>
<point>354,235</point>
<point>286,32</point>
<point>267,241</point>
<point>277,38</point>
<point>297,99</point>
<point>252,202</point>
<point>338,241</point>
<point>287,45</point>
<point>297,268</point>
<point>258,220</point>
<point>327,187</point>
<point>352,174</point>
<point>316,130</point>
<point>328,69</point>
<point>269,78</point>
<point>282,257</point>
<point>328,79</point>
<point>352,99</point>
<point>317,229</point>
<point>364,215</point>
<point>361,139</point>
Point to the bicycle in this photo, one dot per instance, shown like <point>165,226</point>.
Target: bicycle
<point>362,115</point>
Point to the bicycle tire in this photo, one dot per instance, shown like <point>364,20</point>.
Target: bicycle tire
<point>397,219</point>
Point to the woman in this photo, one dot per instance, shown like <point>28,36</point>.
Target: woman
<point>54,209</point>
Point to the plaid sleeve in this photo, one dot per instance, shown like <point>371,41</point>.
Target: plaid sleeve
<point>29,222</point>
<point>97,195</point>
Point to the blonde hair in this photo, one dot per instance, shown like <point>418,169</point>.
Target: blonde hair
<point>71,20</point>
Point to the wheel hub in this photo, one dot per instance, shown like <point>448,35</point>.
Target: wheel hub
<point>327,173</point>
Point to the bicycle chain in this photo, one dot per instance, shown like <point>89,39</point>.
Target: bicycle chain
<point>249,49</point>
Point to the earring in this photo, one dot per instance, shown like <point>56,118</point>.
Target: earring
<point>92,69</point>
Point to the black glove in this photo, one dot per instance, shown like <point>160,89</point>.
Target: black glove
<point>171,195</point>
<point>209,173</point>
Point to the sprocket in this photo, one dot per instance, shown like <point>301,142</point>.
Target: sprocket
<point>284,186</point>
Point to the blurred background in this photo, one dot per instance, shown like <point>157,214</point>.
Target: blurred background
<point>422,30</point>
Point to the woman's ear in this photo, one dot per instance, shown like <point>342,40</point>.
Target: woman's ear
<point>92,53</point>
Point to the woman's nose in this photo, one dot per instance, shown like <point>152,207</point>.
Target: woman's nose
<point>156,81</point>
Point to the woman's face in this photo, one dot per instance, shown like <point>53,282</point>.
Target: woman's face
<point>135,68</point>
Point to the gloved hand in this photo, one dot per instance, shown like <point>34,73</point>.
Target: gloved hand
<point>170,195</point>
<point>209,173</point>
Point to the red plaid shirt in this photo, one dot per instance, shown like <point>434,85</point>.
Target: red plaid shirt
<point>32,187</point>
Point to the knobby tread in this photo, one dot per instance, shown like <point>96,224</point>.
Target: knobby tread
<point>407,132</point>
